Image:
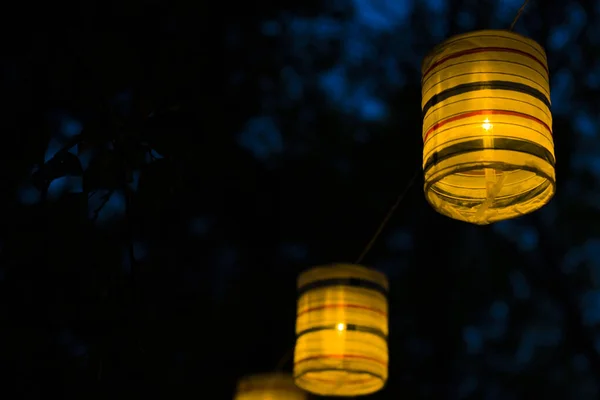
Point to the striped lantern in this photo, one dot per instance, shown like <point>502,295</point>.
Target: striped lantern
<point>275,386</point>
<point>488,152</point>
<point>341,331</point>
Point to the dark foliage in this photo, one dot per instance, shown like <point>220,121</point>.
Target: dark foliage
<point>159,199</point>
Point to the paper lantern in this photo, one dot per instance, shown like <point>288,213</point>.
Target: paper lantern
<point>488,152</point>
<point>341,331</point>
<point>275,386</point>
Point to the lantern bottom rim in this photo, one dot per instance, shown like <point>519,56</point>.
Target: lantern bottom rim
<point>535,189</point>
<point>336,382</point>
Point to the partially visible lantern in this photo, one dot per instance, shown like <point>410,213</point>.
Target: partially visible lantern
<point>488,152</point>
<point>275,386</point>
<point>341,331</point>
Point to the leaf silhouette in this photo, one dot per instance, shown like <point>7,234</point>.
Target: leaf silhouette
<point>62,164</point>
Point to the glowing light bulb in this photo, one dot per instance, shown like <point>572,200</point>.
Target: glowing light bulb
<point>486,125</point>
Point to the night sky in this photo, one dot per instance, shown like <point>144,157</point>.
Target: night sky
<point>170,167</point>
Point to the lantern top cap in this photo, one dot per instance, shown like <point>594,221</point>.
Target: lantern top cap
<point>480,39</point>
<point>342,271</point>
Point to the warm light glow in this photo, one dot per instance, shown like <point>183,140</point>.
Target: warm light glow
<point>486,125</point>
<point>334,299</point>
<point>275,386</point>
<point>488,150</point>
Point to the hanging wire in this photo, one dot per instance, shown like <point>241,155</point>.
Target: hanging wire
<point>288,354</point>
<point>284,359</point>
<point>521,10</point>
<point>387,217</point>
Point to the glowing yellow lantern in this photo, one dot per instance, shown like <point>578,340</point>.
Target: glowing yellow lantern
<point>488,152</point>
<point>341,331</point>
<point>275,386</point>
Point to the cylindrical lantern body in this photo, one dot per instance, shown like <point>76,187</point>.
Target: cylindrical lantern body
<point>273,386</point>
<point>341,331</point>
<point>488,152</point>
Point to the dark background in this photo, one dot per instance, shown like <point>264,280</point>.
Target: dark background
<point>233,146</point>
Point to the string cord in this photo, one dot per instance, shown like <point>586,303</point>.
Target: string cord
<point>521,10</point>
<point>388,217</point>
<point>288,354</point>
<point>284,359</point>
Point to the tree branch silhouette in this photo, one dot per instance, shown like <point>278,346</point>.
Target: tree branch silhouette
<point>105,199</point>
